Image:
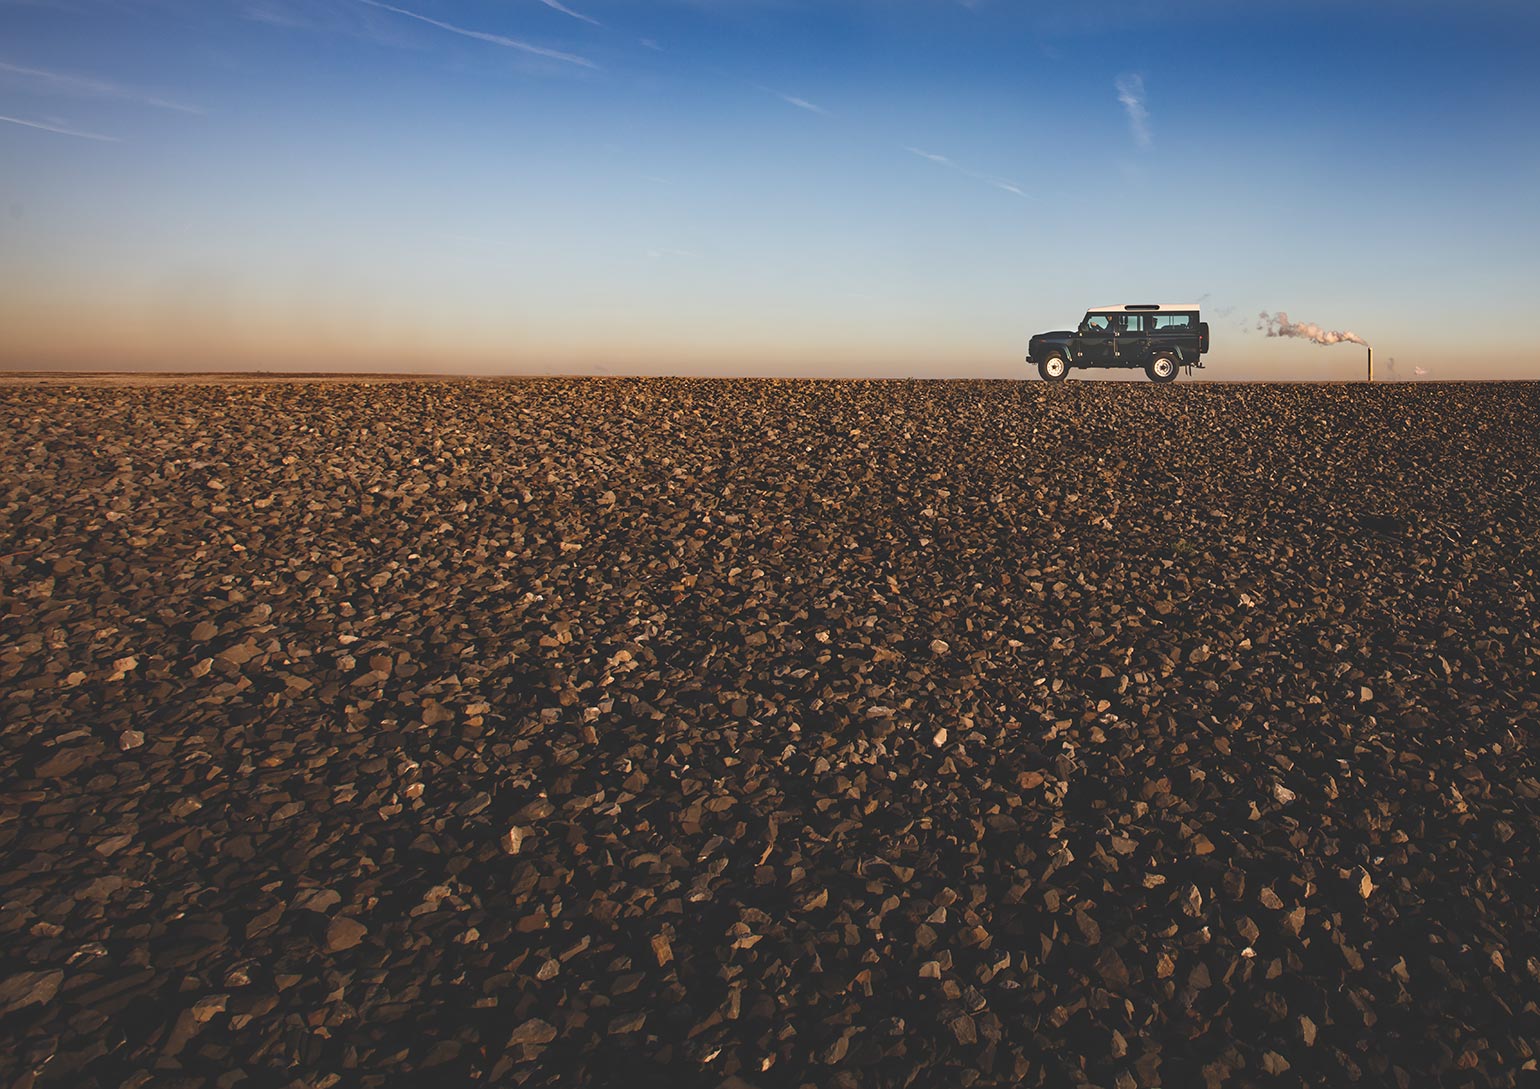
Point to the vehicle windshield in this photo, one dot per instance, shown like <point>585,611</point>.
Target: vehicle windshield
<point>1095,323</point>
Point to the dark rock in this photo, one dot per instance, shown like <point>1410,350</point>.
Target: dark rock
<point>29,989</point>
<point>533,1031</point>
<point>343,933</point>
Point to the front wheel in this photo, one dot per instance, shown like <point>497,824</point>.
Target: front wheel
<point>1161,369</point>
<point>1053,369</point>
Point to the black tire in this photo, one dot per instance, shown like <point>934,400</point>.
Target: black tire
<point>1161,369</point>
<point>1053,368</point>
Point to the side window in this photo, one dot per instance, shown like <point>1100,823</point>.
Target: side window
<point>1132,324</point>
<point>1097,323</point>
<point>1175,322</point>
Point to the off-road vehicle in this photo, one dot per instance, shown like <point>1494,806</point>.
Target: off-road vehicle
<point>1159,337</point>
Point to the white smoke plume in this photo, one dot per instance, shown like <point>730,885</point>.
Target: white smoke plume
<point>1279,325</point>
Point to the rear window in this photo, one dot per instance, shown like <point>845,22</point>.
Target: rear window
<point>1175,321</point>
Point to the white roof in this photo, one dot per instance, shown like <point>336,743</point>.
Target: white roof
<point>1150,307</point>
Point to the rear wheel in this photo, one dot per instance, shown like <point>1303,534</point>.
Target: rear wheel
<point>1053,369</point>
<point>1161,369</point>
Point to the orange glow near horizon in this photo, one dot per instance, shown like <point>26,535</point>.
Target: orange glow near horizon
<point>59,336</point>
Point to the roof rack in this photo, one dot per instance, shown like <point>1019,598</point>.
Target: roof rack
<point>1139,307</point>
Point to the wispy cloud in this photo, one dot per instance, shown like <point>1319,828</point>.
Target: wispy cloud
<point>1131,94</point>
<point>988,179</point>
<point>802,104</point>
<point>483,36</point>
<point>61,130</point>
<point>565,10</point>
<point>63,83</point>
<point>792,100</point>
<point>276,16</point>
<point>942,159</point>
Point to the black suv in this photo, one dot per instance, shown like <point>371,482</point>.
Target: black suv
<point>1158,337</point>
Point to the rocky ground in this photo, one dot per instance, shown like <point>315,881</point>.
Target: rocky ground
<point>695,733</point>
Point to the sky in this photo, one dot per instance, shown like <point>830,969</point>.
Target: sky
<point>763,187</point>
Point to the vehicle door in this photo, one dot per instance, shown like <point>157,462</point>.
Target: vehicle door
<point>1131,340</point>
<point>1094,341</point>
<point>1175,334</point>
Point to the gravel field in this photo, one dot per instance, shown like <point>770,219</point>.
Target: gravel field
<point>681,733</point>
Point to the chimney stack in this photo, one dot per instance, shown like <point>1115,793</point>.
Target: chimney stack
<point>1371,364</point>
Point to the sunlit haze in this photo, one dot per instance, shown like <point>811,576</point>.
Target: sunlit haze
<point>740,187</point>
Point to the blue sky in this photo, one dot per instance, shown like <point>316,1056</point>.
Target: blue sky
<point>909,187</point>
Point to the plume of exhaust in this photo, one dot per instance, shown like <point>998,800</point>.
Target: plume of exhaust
<point>1279,325</point>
